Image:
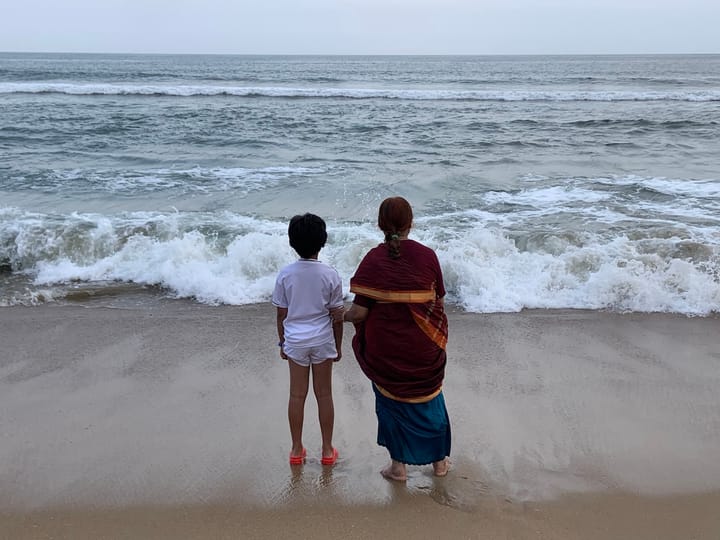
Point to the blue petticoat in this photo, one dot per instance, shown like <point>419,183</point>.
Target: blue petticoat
<point>413,433</point>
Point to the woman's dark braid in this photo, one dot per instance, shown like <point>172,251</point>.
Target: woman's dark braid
<point>392,239</point>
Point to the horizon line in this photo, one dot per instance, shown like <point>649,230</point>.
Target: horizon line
<point>364,54</point>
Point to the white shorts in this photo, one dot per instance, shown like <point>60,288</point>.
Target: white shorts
<point>304,356</point>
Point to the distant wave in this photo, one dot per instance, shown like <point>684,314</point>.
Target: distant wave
<point>130,181</point>
<point>353,93</point>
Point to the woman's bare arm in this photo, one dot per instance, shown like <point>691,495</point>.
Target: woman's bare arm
<point>356,314</point>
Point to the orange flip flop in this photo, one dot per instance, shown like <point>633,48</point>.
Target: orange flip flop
<point>330,460</point>
<point>298,460</point>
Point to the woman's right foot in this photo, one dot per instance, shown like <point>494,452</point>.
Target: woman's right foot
<point>395,471</point>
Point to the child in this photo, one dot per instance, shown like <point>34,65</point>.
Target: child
<point>309,301</point>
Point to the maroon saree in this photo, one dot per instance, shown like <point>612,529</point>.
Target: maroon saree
<point>401,344</point>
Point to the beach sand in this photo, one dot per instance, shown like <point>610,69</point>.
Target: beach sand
<point>169,421</point>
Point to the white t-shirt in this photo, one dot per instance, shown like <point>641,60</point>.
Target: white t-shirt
<point>308,289</point>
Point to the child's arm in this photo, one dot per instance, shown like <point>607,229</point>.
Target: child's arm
<point>281,316</point>
<point>336,315</point>
<point>338,335</point>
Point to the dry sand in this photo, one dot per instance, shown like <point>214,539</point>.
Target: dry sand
<point>169,421</point>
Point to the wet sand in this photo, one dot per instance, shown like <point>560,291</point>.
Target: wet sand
<point>170,421</point>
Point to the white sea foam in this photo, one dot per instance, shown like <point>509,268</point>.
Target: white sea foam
<point>29,297</point>
<point>693,201</point>
<point>196,179</point>
<point>485,270</point>
<point>696,188</point>
<point>705,188</point>
<point>542,197</point>
<point>354,93</point>
<point>488,273</point>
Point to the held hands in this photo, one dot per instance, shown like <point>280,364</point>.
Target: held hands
<point>337,314</point>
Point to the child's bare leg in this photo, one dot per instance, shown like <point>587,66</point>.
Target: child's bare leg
<point>322,386</point>
<point>299,381</point>
<point>395,471</point>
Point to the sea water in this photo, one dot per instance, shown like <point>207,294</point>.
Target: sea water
<point>586,182</point>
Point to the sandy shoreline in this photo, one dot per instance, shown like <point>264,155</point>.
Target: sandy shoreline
<point>170,421</point>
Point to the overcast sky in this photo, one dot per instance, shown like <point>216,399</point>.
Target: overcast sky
<point>361,26</point>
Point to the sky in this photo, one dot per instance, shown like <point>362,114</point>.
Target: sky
<point>361,26</point>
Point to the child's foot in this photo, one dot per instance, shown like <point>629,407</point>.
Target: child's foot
<point>442,467</point>
<point>298,459</point>
<point>395,471</point>
<point>331,459</point>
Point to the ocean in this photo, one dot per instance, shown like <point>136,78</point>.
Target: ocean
<point>587,182</point>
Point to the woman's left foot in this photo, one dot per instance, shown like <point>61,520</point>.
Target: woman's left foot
<point>395,471</point>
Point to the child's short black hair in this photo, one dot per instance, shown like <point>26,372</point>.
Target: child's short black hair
<point>307,234</point>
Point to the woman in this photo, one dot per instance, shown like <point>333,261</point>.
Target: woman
<point>400,337</point>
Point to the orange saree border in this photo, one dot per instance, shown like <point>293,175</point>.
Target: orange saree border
<point>407,297</point>
<point>432,331</point>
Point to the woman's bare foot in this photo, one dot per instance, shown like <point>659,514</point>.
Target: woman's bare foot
<point>395,471</point>
<point>441,468</point>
